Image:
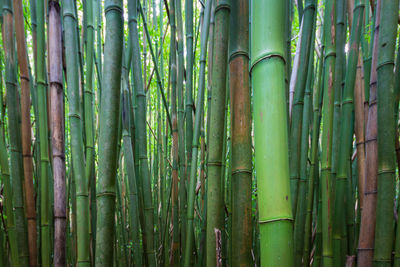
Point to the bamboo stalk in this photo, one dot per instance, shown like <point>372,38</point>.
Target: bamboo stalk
<point>298,100</point>
<point>346,136</point>
<point>326,139</point>
<point>302,190</point>
<point>13,112</point>
<point>241,162</point>
<point>77,146</point>
<point>272,159</point>
<point>181,123</point>
<point>26,132</point>
<point>8,195</point>
<point>215,196</point>
<point>108,135</point>
<point>144,173</point>
<point>368,213</point>
<point>196,134</point>
<point>57,131</point>
<point>386,133</point>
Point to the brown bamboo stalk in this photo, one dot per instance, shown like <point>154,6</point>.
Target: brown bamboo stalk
<point>368,214</point>
<point>359,95</point>
<point>57,131</point>
<point>30,212</point>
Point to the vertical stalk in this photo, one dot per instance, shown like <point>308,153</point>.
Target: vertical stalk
<point>14,109</point>
<point>26,132</point>
<point>359,123</point>
<point>314,166</point>
<point>346,136</point>
<point>368,213</point>
<point>189,82</point>
<point>272,159</point>
<point>88,103</point>
<point>43,134</point>
<point>196,135</point>
<point>302,190</point>
<point>8,195</point>
<point>108,134</point>
<point>57,131</point>
<point>181,122</point>
<point>326,141</point>
<point>141,138</point>
<point>77,146</point>
<point>298,100</point>
<point>386,134</point>
<point>241,158</point>
<point>215,191</point>
<point>340,66</point>
<point>175,255</point>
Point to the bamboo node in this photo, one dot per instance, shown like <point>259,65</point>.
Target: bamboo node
<point>371,139</point>
<point>23,77</point>
<point>111,8</point>
<point>223,5</point>
<point>74,115</point>
<point>249,171</point>
<point>214,163</point>
<point>384,63</point>
<point>390,171</point>
<point>365,249</point>
<point>102,194</point>
<point>267,56</point>
<point>274,220</point>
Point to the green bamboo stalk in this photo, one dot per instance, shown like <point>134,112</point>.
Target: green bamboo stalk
<point>272,159</point>
<point>99,42</point>
<point>300,9</point>
<point>326,139</point>
<point>88,111</point>
<point>181,122</point>
<point>8,193</point>
<point>144,174</point>
<point>302,190</point>
<point>241,159</point>
<point>189,83</point>
<point>340,66</point>
<point>225,183</point>
<point>367,50</point>
<point>32,8</point>
<point>215,191</point>
<point>346,136</point>
<point>196,134</point>
<point>314,166</point>
<point>108,135</point>
<point>130,166</point>
<point>298,101</point>
<point>386,134</point>
<point>14,109</point>
<point>2,242</point>
<point>210,61</point>
<point>175,249</point>
<point>44,141</point>
<point>154,59</point>
<point>57,131</point>
<point>120,224</point>
<point>396,104</point>
<point>77,146</point>
<point>288,47</point>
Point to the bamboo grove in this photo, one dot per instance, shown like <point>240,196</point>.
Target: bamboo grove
<point>199,133</point>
